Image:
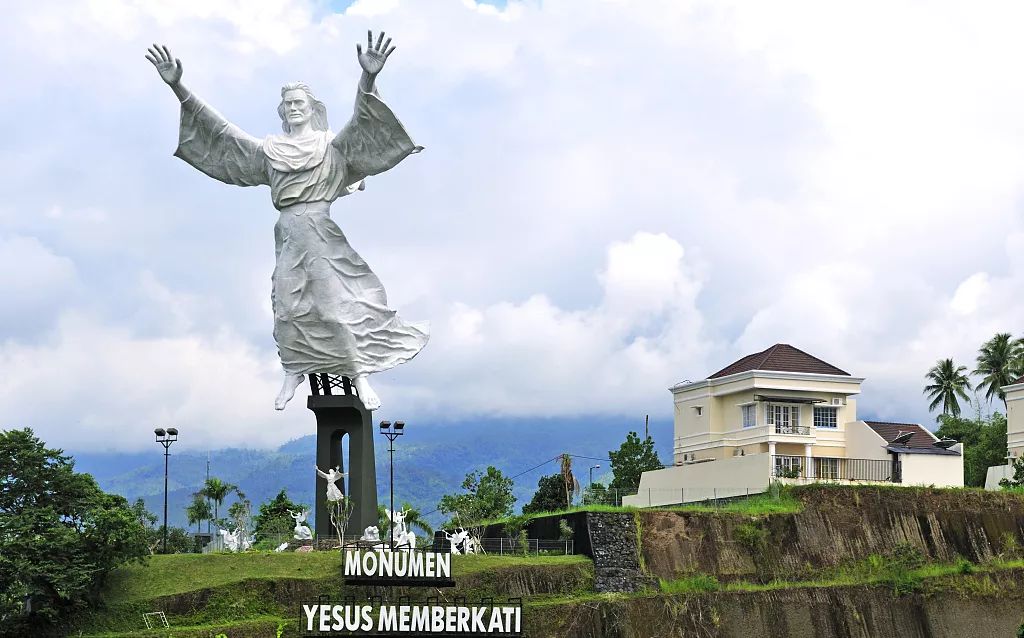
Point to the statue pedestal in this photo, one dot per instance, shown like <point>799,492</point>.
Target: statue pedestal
<point>336,416</point>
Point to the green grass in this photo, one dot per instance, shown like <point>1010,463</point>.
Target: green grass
<point>867,574</point>
<point>754,505</point>
<point>180,573</point>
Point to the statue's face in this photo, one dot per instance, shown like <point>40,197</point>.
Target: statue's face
<point>297,109</point>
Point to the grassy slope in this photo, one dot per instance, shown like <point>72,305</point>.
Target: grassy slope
<point>245,591</point>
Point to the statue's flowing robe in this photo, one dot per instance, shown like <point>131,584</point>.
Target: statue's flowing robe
<point>330,311</point>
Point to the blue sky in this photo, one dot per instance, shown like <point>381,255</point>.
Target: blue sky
<point>614,197</point>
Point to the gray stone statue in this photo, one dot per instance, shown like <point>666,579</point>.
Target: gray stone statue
<point>331,313</point>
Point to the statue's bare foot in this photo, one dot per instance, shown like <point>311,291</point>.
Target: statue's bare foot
<point>366,393</point>
<point>291,382</point>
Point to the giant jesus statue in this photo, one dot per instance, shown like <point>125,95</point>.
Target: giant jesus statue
<point>331,313</point>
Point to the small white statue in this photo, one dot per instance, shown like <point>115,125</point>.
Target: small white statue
<point>281,547</point>
<point>332,476</point>
<point>456,540</point>
<point>371,534</point>
<point>302,532</point>
<point>473,545</point>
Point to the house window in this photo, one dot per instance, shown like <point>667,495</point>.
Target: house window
<point>784,417</point>
<point>749,415</point>
<point>789,466</point>
<point>824,417</point>
<point>827,469</point>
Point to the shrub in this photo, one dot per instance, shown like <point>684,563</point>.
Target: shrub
<point>699,583</point>
<point>752,536</point>
<point>565,531</point>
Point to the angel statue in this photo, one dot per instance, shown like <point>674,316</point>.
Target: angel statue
<point>331,313</point>
<point>332,476</point>
<point>302,531</point>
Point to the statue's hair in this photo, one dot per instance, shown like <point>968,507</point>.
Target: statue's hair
<point>319,121</point>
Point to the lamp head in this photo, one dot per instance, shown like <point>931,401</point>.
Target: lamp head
<point>172,432</point>
<point>159,432</point>
<point>399,425</point>
<point>385,425</point>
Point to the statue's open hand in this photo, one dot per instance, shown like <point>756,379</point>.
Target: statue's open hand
<point>372,60</point>
<point>168,66</point>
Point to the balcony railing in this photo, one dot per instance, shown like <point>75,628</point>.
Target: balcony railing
<point>801,430</point>
<point>836,469</point>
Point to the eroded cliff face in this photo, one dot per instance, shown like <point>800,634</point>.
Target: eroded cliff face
<point>977,605</point>
<point>837,526</point>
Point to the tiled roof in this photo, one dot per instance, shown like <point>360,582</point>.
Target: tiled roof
<point>889,431</point>
<point>781,357</point>
<point>1018,381</point>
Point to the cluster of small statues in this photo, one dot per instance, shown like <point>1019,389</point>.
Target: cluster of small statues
<point>236,541</point>
<point>462,542</point>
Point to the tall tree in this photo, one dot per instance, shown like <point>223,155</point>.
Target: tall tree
<point>273,519</point>
<point>198,511</point>
<point>633,458</point>
<point>984,440</point>
<point>60,536</point>
<point>572,486</point>
<point>549,497</point>
<point>486,495</point>
<point>999,364</point>
<point>948,385</point>
<point>217,490</point>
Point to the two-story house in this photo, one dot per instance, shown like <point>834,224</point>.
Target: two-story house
<point>784,414</point>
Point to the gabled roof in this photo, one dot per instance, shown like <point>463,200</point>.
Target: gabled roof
<point>1018,381</point>
<point>781,357</point>
<point>889,431</point>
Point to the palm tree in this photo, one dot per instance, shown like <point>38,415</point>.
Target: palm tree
<point>572,486</point>
<point>198,511</point>
<point>999,364</point>
<point>217,490</point>
<point>949,384</point>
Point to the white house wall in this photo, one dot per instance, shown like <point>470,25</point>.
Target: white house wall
<point>734,476</point>
<point>864,443</point>
<point>1015,419</point>
<point>932,469</point>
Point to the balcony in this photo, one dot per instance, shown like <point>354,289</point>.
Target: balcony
<point>836,469</point>
<point>798,430</point>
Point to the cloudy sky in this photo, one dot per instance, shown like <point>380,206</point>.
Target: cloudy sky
<point>615,196</point>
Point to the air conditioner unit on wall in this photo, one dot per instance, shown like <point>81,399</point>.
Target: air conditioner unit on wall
<point>837,401</point>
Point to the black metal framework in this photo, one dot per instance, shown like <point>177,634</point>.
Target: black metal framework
<point>392,432</point>
<point>323,384</point>
<point>165,438</point>
<point>832,468</point>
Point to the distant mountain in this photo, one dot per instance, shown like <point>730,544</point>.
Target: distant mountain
<point>430,460</point>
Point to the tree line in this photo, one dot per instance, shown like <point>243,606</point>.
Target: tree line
<point>999,363</point>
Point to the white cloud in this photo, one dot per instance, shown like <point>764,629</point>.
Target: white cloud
<point>748,173</point>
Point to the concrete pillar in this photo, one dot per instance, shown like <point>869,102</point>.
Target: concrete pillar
<point>336,416</point>
<point>808,463</point>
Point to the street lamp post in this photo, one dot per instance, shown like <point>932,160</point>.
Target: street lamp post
<point>165,438</point>
<point>392,432</point>
<point>592,468</point>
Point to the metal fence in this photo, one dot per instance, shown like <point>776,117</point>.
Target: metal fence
<point>502,546</point>
<point>836,469</point>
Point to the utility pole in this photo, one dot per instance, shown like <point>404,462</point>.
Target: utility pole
<point>647,430</point>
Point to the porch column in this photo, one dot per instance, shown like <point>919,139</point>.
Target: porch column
<point>771,448</point>
<point>808,468</point>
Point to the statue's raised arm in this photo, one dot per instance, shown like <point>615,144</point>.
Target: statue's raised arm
<point>373,141</point>
<point>206,140</point>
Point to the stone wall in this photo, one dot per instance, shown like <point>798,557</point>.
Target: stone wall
<point>616,553</point>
